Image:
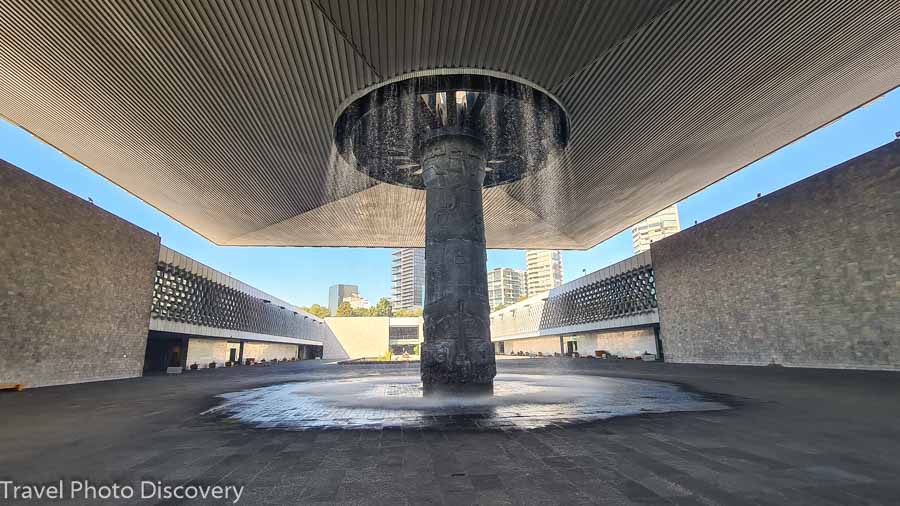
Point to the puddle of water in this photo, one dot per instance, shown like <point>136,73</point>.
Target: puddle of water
<point>520,401</point>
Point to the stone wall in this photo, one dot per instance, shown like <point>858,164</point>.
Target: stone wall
<point>75,286</point>
<point>624,343</point>
<point>204,351</point>
<point>268,351</point>
<point>357,337</point>
<point>806,276</point>
<point>547,345</point>
<point>331,346</point>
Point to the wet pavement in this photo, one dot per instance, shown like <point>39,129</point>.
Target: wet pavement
<point>519,401</point>
<point>789,437</point>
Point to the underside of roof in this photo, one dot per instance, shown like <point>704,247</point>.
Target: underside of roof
<point>221,114</point>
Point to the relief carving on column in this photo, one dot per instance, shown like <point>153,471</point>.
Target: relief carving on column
<point>457,350</point>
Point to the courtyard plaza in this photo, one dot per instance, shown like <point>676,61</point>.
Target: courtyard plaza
<point>455,127</point>
<point>790,436</point>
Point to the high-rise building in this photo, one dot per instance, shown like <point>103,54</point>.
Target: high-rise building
<point>544,271</point>
<point>337,294</point>
<point>505,286</point>
<point>408,278</point>
<point>357,301</point>
<point>660,225</point>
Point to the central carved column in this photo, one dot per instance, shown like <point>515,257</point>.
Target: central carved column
<point>457,354</point>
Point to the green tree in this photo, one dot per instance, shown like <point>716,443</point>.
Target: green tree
<point>344,309</point>
<point>382,308</point>
<point>317,310</point>
<point>498,307</point>
<point>408,312</point>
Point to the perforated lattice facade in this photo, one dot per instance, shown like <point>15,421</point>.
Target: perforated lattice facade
<point>182,296</point>
<point>630,293</point>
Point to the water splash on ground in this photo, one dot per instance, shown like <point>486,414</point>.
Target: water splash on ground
<point>520,401</point>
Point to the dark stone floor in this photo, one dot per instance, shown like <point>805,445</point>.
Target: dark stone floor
<point>793,437</point>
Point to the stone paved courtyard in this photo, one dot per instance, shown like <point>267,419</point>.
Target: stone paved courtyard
<point>791,437</point>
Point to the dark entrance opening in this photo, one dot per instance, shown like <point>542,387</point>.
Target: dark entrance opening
<point>571,348</point>
<point>164,350</point>
<point>659,347</point>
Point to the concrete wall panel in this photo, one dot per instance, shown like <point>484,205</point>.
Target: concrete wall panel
<point>806,276</point>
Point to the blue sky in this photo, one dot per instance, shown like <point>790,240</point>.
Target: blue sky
<point>302,275</point>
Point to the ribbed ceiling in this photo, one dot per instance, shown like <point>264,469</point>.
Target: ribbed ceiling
<point>220,114</point>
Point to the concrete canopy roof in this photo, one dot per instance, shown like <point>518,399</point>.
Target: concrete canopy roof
<point>220,114</point>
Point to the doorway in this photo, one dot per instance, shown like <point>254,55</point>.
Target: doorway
<point>165,350</point>
<point>572,347</point>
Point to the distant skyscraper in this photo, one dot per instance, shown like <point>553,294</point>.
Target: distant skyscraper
<point>660,225</point>
<point>408,278</point>
<point>505,286</point>
<point>337,294</point>
<point>544,271</point>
